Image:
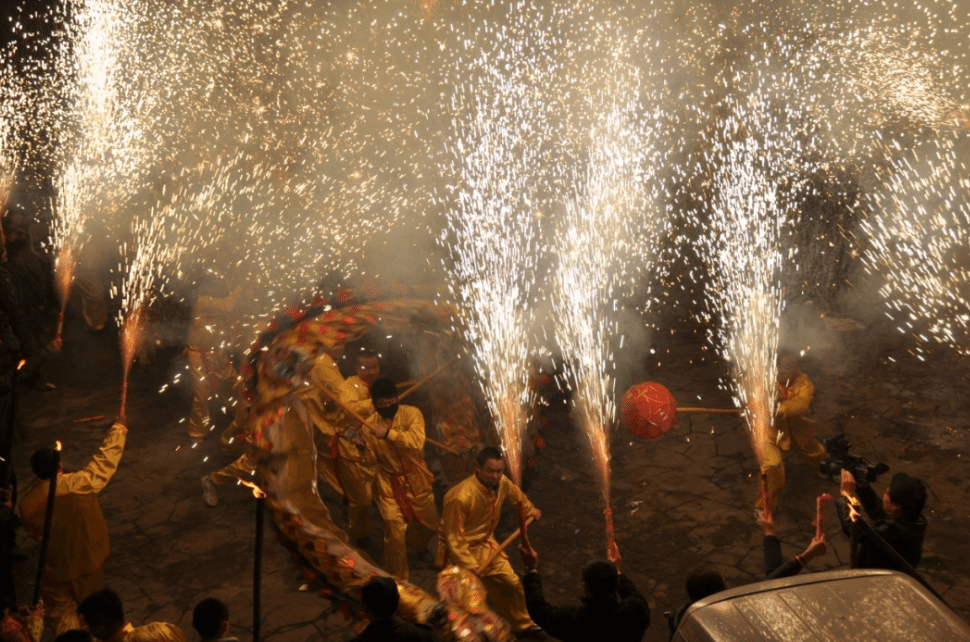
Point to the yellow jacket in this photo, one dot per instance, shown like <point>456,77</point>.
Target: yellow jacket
<point>470,514</point>
<point>793,402</point>
<point>79,535</point>
<point>401,453</point>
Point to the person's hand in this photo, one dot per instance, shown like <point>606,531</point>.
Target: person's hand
<point>816,548</point>
<point>536,514</point>
<point>56,344</point>
<point>848,483</point>
<point>380,429</point>
<point>529,556</point>
<point>121,419</point>
<point>766,520</point>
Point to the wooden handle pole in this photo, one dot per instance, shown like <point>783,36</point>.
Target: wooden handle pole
<point>425,380</point>
<point>713,411</point>
<point>350,411</point>
<point>508,540</point>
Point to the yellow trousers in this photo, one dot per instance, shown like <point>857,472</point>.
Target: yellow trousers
<point>208,369</point>
<point>399,535</point>
<point>505,590</point>
<point>354,481</point>
<point>242,468</point>
<point>61,600</point>
<point>803,432</point>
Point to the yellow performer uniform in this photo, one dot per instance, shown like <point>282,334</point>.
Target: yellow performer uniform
<point>208,362</point>
<point>78,544</point>
<point>459,429</point>
<point>404,492</point>
<point>790,421</point>
<point>348,468</point>
<point>469,516</point>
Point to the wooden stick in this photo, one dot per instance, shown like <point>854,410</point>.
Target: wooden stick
<point>713,411</point>
<point>48,520</point>
<point>350,411</point>
<point>84,420</point>
<point>508,540</point>
<point>425,380</point>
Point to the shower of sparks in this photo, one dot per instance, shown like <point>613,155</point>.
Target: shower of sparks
<point>143,260</point>
<point>742,245</point>
<point>593,238</point>
<point>919,241</point>
<point>12,113</point>
<point>104,151</point>
<point>492,232</point>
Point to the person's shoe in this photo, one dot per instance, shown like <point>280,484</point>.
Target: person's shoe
<point>532,633</point>
<point>209,492</point>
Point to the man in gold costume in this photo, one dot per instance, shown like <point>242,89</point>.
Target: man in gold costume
<point>404,494</point>
<point>78,545</point>
<point>343,459</point>
<point>794,392</point>
<point>206,354</point>
<point>470,514</point>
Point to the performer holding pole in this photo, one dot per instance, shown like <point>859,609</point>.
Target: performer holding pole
<point>467,538</point>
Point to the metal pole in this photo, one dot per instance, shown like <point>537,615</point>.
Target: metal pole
<point>48,518</point>
<point>257,567</point>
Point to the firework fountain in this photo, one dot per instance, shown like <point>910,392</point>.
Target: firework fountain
<point>752,162</point>
<point>594,239</point>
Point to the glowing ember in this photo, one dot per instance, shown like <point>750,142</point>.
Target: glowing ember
<point>853,504</point>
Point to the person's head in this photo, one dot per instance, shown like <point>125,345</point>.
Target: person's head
<point>491,467</point>
<point>380,598</point>
<point>103,614</point>
<point>600,578</point>
<point>787,368</point>
<point>368,367</point>
<point>74,635</point>
<point>16,231</point>
<point>703,581</point>
<point>384,394</point>
<point>210,618</point>
<point>45,462</point>
<point>906,496</point>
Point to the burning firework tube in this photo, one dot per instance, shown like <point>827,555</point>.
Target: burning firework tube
<point>820,514</point>
<point>60,326</point>
<point>611,549</point>
<point>765,496</point>
<point>124,400</point>
<point>48,518</point>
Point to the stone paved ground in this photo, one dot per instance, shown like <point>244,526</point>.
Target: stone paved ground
<point>679,500</point>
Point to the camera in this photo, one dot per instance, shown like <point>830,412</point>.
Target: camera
<point>840,458</point>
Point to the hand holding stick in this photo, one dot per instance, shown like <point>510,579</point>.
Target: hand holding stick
<point>491,556</point>
<point>612,550</point>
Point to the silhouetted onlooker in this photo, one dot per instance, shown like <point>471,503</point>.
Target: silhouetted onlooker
<point>210,619</point>
<point>105,618</point>
<point>380,599</point>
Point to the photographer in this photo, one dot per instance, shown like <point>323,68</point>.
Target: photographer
<point>897,519</point>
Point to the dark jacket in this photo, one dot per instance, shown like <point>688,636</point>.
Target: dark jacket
<point>904,535</point>
<point>775,565</point>
<point>618,619</point>
<point>397,630</point>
